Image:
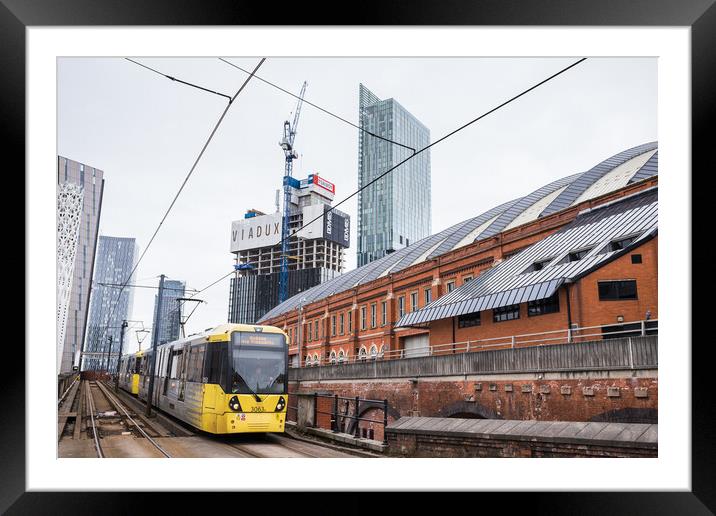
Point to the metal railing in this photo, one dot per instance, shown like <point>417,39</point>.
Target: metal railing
<point>341,418</point>
<point>563,336</point>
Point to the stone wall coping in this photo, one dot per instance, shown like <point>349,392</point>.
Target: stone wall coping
<point>639,435</point>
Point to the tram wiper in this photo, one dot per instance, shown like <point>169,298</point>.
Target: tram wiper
<point>251,391</point>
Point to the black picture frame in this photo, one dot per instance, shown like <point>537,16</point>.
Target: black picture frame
<point>699,15</point>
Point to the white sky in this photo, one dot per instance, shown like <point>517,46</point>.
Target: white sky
<point>145,131</point>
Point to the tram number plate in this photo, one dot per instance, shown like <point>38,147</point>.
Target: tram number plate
<point>257,409</point>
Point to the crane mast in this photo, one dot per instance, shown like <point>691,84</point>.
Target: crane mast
<point>289,135</point>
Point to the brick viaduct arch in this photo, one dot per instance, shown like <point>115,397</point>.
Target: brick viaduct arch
<point>467,410</point>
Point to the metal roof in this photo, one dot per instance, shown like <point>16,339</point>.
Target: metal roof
<point>591,176</point>
<point>514,281</point>
<point>455,236</point>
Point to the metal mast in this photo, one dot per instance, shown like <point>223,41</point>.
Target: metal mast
<point>289,134</point>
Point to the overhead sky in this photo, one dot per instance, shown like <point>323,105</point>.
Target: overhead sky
<point>145,131</point>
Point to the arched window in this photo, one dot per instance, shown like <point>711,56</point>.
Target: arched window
<point>382,350</point>
<point>315,360</point>
<point>332,357</point>
<point>362,353</point>
<point>373,352</point>
<point>341,356</point>
<point>308,361</point>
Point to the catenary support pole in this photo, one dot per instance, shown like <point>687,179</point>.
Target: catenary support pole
<point>121,349</point>
<point>155,339</point>
<point>109,354</point>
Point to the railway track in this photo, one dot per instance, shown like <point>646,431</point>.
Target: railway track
<point>96,421</point>
<point>95,414</point>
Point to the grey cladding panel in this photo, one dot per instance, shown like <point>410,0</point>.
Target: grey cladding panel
<point>467,227</point>
<point>588,178</point>
<point>650,168</point>
<point>516,209</point>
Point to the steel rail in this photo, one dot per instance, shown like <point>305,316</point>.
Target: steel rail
<point>119,405</point>
<point>91,409</point>
<point>62,398</point>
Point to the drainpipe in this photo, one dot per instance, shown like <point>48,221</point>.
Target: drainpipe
<point>569,313</point>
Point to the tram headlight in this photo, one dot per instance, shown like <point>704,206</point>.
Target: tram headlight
<point>234,404</point>
<point>281,404</point>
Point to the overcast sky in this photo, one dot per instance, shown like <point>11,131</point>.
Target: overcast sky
<point>145,131</point>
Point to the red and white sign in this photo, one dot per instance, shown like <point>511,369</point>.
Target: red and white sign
<point>327,185</point>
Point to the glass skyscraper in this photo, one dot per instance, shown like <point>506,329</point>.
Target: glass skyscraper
<point>80,189</point>
<point>170,318</point>
<point>116,257</point>
<point>395,210</point>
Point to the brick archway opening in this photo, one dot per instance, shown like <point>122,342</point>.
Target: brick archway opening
<point>371,429</point>
<point>467,410</point>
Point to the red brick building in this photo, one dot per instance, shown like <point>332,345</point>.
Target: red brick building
<point>381,307</point>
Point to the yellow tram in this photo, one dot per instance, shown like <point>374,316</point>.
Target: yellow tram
<point>229,379</point>
<point>129,370</point>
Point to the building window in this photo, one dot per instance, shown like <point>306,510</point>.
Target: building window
<point>617,245</point>
<point>413,301</point>
<point>362,318</point>
<point>466,279</point>
<point>617,290</point>
<point>401,306</point>
<point>340,326</point>
<point>543,306</point>
<point>315,328</point>
<point>450,286</point>
<point>332,357</point>
<point>428,296</point>
<point>374,352</point>
<point>333,326</point>
<point>506,313</point>
<point>362,353</point>
<point>538,266</point>
<point>384,313</point>
<point>467,320</point>
<point>577,255</point>
<point>635,258</point>
<point>373,309</point>
<point>310,332</point>
<point>350,322</point>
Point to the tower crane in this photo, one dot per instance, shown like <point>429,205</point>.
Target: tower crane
<point>286,143</point>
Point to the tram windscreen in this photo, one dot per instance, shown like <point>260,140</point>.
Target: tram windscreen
<point>258,362</point>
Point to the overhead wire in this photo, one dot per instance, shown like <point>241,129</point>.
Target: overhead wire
<point>186,179</point>
<point>416,153</point>
<point>179,80</point>
<point>320,108</point>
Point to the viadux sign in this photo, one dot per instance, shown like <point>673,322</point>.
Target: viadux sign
<point>255,232</point>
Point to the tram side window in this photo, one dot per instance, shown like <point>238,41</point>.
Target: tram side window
<point>216,363</point>
<point>196,363</point>
<point>138,365</point>
<point>176,362</point>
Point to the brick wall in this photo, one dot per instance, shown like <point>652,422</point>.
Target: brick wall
<point>609,396</point>
<point>407,445</point>
<point>469,260</point>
